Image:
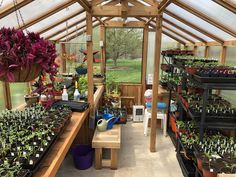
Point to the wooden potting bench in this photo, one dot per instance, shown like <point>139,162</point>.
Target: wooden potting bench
<point>109,139</point>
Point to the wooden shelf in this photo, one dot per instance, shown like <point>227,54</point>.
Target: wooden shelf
<point>51,163</point>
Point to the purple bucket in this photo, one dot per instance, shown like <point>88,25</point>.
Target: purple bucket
<point>82,156</point>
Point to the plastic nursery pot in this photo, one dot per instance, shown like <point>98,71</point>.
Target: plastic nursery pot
<point>191,70</point>
<point>83,156</point>
<point>199,163</point>
<point>207,173</point>
<point>81,70</point>
<point>173,124</point>
<point>31,99</point>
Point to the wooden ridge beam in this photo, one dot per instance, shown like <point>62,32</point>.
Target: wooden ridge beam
<point>194,26</point>
<point>184,30</point>
<point>131,24</point>
<point>205,17</point>
<point>173,37</point>
<point>85,4</point>
<point>116,11</point>
<point>73,31</point>
<point>47,14</point>
<point>178,34</point>
<point>61,21</point>
<point>226,4</point>
<point>163,5</point>
<point>11,8</point>
<point>64,29</point>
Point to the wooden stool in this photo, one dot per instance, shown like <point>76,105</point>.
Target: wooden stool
<point>109,139</point>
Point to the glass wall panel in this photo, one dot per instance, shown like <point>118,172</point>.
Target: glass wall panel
<point>200,51</point>
<point>214,52</point>
<point>1,97</point>
<point>18,90</point>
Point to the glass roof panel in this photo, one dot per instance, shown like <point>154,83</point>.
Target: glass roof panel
<point>175,35</point>
<point>31,11</point>
<point>57,17</point>
<point>214,11</point>
<point>180,32</point>
<point>187,27</point>
<point>199,22</point>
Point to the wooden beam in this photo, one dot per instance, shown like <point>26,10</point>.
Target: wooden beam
<point>102,49</point>
<point>173,37</point>
<point>96,2</point>
<point>205,17</point>
<point>124,8</point>
<point>63,50</point>
<point>178,34</point>
<point>7,95</point>
<point>89,32</point>
<point>155,85</point>
<point>136,3</point>
<point>11,8</point>
<point>163,5</point>
<point>184,30</point>
<point>99,19</point>
<point>61,21</point>
<point>226,4</point>
<point>144,60</point>
<point>116,11</point>
<point>206,52</point>
<point>71,32</point>
<point>223,54</point>
<point>214,43</point>
<point>130,24</point>
<point>195,50</point>
<point>66,28</point>
<point>149,20</point>
<point>201,30</point>
<point>85,4</point>
<point>151,3</point>
<point>47,14</point>
<point>78,34</point>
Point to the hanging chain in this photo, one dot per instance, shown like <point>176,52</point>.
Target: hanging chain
<point>17,16</point>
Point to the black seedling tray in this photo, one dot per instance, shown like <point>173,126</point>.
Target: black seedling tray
<point>229,80</point>
<point>186,165</point>
<point>74,105</point>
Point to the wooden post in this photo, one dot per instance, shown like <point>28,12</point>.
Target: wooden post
<point>7,95</point>
<point>144,61</point>
<point>223,55</point>
<point>178,45</point>
<point>155,85</point>
<point>63,51</point>
<point>102,39</point>
<point>195,50</point>
<point>206,52</point>
<point>89,32</point>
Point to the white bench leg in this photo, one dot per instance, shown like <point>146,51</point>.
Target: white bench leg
<point>145,124</point>
<point>165,125</point>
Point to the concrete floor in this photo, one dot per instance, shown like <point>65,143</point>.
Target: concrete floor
<point>135,159</point>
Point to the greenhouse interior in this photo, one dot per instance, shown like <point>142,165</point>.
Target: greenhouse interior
<point>79,78</point>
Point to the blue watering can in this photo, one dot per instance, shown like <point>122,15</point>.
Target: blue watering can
<point>107,122</point>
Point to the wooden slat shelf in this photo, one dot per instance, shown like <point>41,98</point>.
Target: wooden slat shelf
<point>51,163</point>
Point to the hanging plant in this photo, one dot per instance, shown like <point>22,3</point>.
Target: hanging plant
<point>23,57</point>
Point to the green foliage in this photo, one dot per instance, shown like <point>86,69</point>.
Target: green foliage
<point>111,84</point>
<point>83,84</point>
<point>122,42</point>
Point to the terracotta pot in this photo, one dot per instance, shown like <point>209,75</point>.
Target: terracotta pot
<point>173,124</point>
<point>57,95</point>
<point>207,173</point>
<point>199,163</point>
<point>191,70</point>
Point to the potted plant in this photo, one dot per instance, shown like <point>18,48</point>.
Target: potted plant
<point>24,57</point>
<point>81,69</point>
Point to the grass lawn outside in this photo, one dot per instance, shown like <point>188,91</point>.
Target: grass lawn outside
<point>127,70</point>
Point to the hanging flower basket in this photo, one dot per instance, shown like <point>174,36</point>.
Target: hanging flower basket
<point>23,57</point>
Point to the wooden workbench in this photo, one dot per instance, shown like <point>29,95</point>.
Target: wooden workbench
<point>51,163</point>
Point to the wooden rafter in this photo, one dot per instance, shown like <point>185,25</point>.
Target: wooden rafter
<point>67,27</point>
<point>73,31</point>
<point>173,37</point>
<point>47,14</point>
<point>130,24</point>
<point>201,30</point>
<point>96,2</point>
<point>214,43</point>
<point>11,8</point>
<point>85,4</point>
<point>136,3</point>
<point>151,2</point>
<point>178,34</point>
<point>61,21</point>
<point>116,11</point>
<point>149,20</point>
<point>226,4</point>
<point>184,30</point>
<point>163,5</point>
<point>99,19</point>
<point>124,8</point>
<point>205,17</point>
